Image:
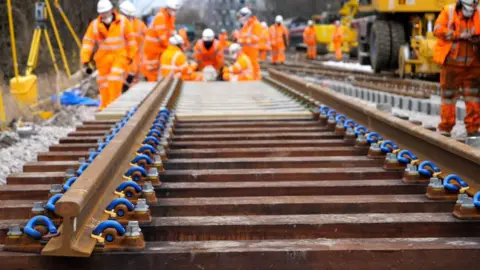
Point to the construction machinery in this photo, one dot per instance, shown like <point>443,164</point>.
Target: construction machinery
<point>325,27</point>
<point>398,35</point>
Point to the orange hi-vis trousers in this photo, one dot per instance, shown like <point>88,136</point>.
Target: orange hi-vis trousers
<point>263,55</point>
<point>452,79</point>
<point>278,55</point>
<point>312,51</point>
<point>110,80</point>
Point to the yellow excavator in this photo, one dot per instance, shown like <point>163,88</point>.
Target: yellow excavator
<point>325,27</point>
<point>398,35</point>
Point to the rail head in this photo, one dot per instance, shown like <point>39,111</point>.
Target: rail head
<point>82,206</point>
<point>448,154</point>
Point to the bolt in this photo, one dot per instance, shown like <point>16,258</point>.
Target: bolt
<point>153,172</point>
<point>468,203</point>
<point>147,187</point>
<point>82,160</point>
<point>38,207</point>
<point>374,147</point>
<point>461,198</point>
<point>361,138</point>
<point>141,206</point>
<point>436,183</point>
<point>56,188</point>
<point>14,230</point>
<point>133,229</point>
<point>391,158</point>
<point>350,132</point>
<point>70,173</point>
<point>100,141</point>
<point>411,169</point>
<point>157,160</point>
<point>91,150</point>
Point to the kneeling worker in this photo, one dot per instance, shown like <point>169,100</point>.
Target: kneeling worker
<point>242,70</point>
<point>174,60</point>
<point>208,51</point>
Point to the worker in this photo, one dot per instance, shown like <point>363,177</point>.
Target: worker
<point>249,38</point>
<point>156,40</point>
<point>265,46</point>
<point>139,29</point>
<point>223,38</point>
<point>235,34</point>
<point>183,32</point>
<point>116,49</point>
<point>310,39</point>
<point>208,51</point>
<point>174,60</point>
<point>279,38</point>
<point>338,40</point>
<point>242,69</point>
<point>458,29</point>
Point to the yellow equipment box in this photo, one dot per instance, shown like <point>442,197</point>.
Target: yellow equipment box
<point>24,89</point>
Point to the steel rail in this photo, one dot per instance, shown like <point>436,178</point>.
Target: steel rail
<point>448,154</point>
<point>82,206</point>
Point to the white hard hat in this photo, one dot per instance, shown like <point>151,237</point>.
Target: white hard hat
<point>234,48</point>
<point>176,40</point>
<point>469,2</point>
<point>279,19</point>
<point>264,24</point>
<point>128,8</point>
<point>104,6</point>
<point>244,12</point>
<point>224,30</point>
<point>310,23</point>
<point>173,4</point>
<point>208,35</point>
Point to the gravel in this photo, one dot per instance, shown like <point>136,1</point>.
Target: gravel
<point>13,157</point>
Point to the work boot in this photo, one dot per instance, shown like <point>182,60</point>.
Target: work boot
<point>474,134</point>
<point>445,133</point>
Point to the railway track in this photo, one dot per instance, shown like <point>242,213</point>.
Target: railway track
<point>252,176</point>
<point>383,83</point>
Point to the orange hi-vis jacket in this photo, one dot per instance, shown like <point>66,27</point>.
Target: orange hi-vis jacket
<point>265,40</point>
<point>310,36</point>
<point>454,51</point>
<point>249,38</point>
<point>118,41</point>
<point>186,43</point>
<point>139,30</point>
<point>242,70</point>
<point>174,60</point>
<point>211,57</point>
<point>223,38</point>
<point>278,37</point>
<point>338,36</point>
<point>156,39</point>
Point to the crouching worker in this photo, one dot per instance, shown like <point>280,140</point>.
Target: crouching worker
<point>242,70</point>
<point>175,61</point>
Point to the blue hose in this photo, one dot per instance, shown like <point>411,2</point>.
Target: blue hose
<point>425,172</point>
<point>332,113</point>
<point>50,206</point>
<point>146,147</point>
<point>406,160</point>
<point>39,220</point>
<point>92,157</point>
<point>82,168</point>
<point>324,108</point>
<point>139,158</point>
<point>120,201</point>
<point>158,127</point>
<point>476,200</point>
<point>128,184</point>
<point>360,130</point>
<point>155,132</point>
<point>451,187</point>
<point>341,118</point>
<point>388,146</point>
<point>349,124</point>
<point>134,170</point>
<point>69,183</point>
<point>151,139</point>
<point>374,137</point>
